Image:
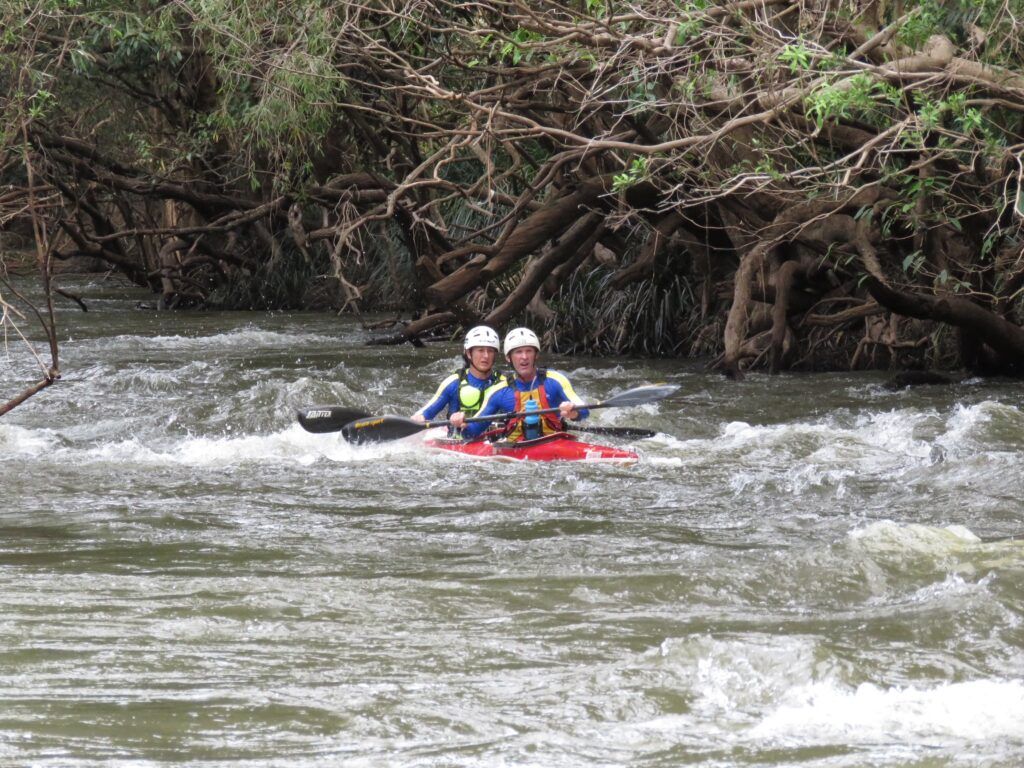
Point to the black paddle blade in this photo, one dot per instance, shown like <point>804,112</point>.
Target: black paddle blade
<point>632,433</point>
<point>328,418</point>
<point>641,395</point>
<point>380,429</point>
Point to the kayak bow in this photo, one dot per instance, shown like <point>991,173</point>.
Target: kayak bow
<point>560,446</point>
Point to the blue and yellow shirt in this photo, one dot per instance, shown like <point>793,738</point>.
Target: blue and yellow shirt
<point>498,400</point>
<point>462,391</point>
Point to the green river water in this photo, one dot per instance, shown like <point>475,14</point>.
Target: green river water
<point>801,570</point>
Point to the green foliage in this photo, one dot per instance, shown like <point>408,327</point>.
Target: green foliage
<point>40,104</point>
<point>686,88</point>
<point>797,57</point>
<point>641,94</point>
<point>954,18</point>
<point>766,166</point>
<point>930,114</point>
<point>920,26</point>
<point>913,263</point>
<point>516,48</point>
<point>968,120</point>
<point>252,99</point>
<point>636,172</point>
<point>915,187</point>
<point>687,30</point>
<point>692,22</point>
<point>856,95</point>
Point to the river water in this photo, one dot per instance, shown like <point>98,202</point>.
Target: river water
<point>800,570</point>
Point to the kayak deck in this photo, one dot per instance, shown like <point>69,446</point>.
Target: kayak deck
<point>560,446</point>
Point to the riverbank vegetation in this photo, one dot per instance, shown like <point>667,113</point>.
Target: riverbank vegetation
<point>771,183</point>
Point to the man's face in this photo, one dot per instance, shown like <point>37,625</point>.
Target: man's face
<point>524,362</point>
<point>482,358</point>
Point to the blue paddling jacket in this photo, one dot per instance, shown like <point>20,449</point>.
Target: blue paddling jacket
<point>497,400</point>
<point>462,391</point>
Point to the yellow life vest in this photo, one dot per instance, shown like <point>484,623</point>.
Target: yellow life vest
<point>471,397</point>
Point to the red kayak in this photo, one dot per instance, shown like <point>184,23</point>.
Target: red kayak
<point>560,446</point>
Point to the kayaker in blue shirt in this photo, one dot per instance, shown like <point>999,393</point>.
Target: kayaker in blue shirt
<point>462,393</point>
<point>532,388</point>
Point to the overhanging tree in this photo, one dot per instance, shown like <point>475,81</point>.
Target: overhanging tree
<point>779,183</point>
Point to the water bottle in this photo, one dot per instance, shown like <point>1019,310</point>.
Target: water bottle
<point>531,422</point>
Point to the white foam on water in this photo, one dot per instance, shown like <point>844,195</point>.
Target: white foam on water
<point>646,409</point>
<point>889,536</point>
<point>209,451</point>
<point>634,416</point>
<point>584,372</point>
<point>732,678</point>
<point>441,368</point>
<point>896,432</point>
<point>292,445</point>
<point>969,427</point>
<point>662,461</point>
<point>248,339</point>
<point>148,377</point>
<point>965,417</point>
<point>779,690</point>
<point>768,450</point>
<point>870,437</point>
<point>952,593</point>
<point>21,441</point>
<point>952,548</point>
<point>828,712</point>
<point>672,443</point>
<point>834,453</point>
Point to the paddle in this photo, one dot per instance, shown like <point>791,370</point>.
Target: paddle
<point>329,418</point>
<point>379,429</point>
<point>631,432</point>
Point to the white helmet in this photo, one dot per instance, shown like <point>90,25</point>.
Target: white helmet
<point>521,337</point>
<point>481,336</point>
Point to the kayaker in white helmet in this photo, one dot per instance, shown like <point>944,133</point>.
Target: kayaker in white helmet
<point>462,393</point>
<point>531,388</point>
